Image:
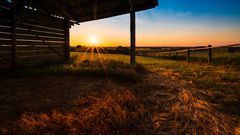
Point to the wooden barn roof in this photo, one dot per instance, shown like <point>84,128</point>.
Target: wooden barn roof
<point>87,10</point>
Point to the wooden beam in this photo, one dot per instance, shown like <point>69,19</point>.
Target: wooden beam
<point>133,37</point>
<point>67,44</point>
<point>13,30</point>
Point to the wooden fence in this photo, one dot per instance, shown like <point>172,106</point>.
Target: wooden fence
<point>29,37</point>
<point>178,55</point>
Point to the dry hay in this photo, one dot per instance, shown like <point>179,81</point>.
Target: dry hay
<point>114,113</point>
<point>190,115</point>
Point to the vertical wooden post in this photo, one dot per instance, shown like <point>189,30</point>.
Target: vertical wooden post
<point>209,53</point>
<point>169,55</point>
<point>67,44</point>
<point>176,55</point>
<point>133,36</point>
<point>188,55</point>
<point>13,27</point>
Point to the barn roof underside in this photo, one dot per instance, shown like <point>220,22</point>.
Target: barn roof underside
<point>87,10</point>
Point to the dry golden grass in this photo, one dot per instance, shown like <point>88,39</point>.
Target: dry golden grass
<point>191,115</point>
<point>114,113</point>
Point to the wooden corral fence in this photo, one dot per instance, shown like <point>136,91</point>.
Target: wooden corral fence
<point>186,53</point>
<point>30,37</point>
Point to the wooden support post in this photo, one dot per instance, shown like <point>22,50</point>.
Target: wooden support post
<point>13,27</point>
<point>188,55</point>
<point>169,55</point>
<point>67,44</point>
<point>133,36</point>
<point>209,53</point>
<point>176,55</point>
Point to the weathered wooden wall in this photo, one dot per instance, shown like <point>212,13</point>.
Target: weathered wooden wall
<point>39,38</point>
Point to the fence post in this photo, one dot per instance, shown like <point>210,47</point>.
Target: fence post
<point>209,53</point>
<point>188,55</point>
<point>169,55</point>
<point>177,55</point>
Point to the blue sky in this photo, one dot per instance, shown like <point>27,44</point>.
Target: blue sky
<point>172,23</point>
<point>200,7</point>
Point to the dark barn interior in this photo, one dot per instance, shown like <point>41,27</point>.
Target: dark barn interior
<point>34,32</point>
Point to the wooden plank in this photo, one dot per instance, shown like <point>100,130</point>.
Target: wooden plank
<point>42,21</point>
<point>5,29</point>
<point>5,22</point>
<point>5,55</point>
<point>37,52</point>
<point>36,30</point>
<point>38,42</point>
<point>57,48</point>
<point>5,48</point>
<point>4,8</point>
<point>5,42</point>
<point>5,36</point>
<point>34,37</point>
<point>42,60</point>
<point>41,55</point>
<point>39,33</point>
<point>39,27</point>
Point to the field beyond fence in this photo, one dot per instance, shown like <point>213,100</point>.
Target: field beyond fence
<point>221,55</point>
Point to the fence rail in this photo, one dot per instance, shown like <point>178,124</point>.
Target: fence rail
<point>188,52</point>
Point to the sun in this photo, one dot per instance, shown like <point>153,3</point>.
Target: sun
<point>93,40</point>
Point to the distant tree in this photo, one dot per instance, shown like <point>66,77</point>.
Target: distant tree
<point>78,46</point>
<point>122,50</point>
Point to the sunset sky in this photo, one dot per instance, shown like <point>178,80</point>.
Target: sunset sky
<point>172,23</point>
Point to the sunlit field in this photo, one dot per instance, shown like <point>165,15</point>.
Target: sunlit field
<point>98,93</point>
<point>220,57</point>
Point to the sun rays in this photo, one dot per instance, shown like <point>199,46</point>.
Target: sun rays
<point>93,53</point>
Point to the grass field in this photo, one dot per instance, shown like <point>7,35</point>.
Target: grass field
<point>221,56</point>
<point>103,94</point>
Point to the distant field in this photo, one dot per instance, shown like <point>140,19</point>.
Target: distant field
<point>220,57</point>
<point>155,96</point>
